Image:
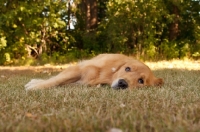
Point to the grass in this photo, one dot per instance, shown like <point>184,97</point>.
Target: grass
<point>173,107</point>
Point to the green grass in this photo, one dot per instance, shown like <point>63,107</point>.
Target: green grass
<point>173,107</point>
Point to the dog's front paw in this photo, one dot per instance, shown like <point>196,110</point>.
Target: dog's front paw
<point>33,84</point>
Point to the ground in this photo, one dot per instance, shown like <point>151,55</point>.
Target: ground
<point>172,107</point>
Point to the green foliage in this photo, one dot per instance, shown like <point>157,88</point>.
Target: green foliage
<point>143,28</point>
<point>2,43</point>
<point>32,28</point>
<point>147,29</point>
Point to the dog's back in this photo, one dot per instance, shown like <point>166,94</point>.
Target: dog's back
<point>104,59</point>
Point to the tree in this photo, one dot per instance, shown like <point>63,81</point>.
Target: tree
<point>32,27</point>
<point>147,29</point>
<point>89,12</point>
<point>152,29</point>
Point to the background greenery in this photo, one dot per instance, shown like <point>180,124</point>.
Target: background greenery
<point>63,30</point>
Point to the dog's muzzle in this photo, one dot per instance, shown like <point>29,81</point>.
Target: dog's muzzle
<point>119,84</point>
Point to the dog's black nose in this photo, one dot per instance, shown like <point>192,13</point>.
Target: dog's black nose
<point>122,84</point>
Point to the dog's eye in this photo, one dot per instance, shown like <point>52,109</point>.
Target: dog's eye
<point>127,69</point>
<point>141,81</point>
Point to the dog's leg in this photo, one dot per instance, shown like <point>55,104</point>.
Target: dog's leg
<point>69,75</point>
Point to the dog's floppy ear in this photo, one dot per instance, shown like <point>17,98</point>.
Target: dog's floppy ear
<point>158,82</point>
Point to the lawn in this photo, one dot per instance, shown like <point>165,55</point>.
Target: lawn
<point>173,107</point>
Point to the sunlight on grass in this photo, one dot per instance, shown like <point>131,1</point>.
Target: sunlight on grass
<point>178,64</point>
<point>173,107</point>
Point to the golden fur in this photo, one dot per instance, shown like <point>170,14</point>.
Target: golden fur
<point>116,70</point>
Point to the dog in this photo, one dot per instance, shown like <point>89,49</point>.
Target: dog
<point>116,70</point>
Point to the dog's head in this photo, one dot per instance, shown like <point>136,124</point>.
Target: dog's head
<point>134,74</point>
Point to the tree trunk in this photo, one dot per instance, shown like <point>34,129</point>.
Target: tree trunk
<point>89,10</point>
<point>174,26</point>
<point>69,15</point>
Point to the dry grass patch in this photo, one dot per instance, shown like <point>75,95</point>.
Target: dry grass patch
<point>173,107</point>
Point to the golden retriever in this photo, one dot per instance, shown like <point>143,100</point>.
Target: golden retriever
<point>117,70</point>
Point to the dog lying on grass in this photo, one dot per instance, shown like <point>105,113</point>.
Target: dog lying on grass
<point>116,70</point>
